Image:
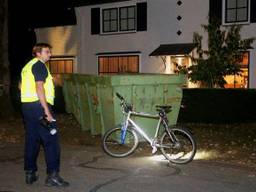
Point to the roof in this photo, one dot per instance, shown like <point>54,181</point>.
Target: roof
<point>173,49</point>
<point>78,3</point>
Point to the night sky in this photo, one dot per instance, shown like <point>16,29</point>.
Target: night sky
<point>24,17</point>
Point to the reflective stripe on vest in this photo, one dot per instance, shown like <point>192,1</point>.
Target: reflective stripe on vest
<point>28,85</point>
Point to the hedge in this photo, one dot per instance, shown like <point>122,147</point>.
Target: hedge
<point>218,106</point>
<point>200,105</point>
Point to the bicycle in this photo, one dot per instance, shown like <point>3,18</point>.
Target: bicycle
<point>176,144</point>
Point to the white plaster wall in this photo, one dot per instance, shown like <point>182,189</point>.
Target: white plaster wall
<point>62,38</point>
<point>161,29</point>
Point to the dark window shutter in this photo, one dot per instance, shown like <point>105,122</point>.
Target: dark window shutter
<point>142,16</point>
<point>253,11</point>
<point>215,10</point>
<point>95,21</point>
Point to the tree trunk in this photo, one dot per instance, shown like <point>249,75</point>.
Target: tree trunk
<point>6,108</point>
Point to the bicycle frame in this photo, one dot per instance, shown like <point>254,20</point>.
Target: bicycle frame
<point>138,128</point>
<point>180,149</point>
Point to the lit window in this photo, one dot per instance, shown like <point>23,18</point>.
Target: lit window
<point>61,65</point>
<point>118,64</point>
<point>239,81</point>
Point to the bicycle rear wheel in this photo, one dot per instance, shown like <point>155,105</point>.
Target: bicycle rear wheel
<point>113,146</point>
<point>182,151</point>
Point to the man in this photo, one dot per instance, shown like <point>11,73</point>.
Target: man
<point>37,97</point>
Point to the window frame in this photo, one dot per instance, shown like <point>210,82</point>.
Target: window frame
<point>225,11</point>
<point>118,31</point>
<point>128,18</point>
<point>109,20</point>
<point>245,67</point>
<point>62,58</point>
<point>118,55</point>
<point>248,67</point>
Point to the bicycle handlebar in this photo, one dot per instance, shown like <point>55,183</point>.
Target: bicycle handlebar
<point>126,106</point>
<point>119,96</point>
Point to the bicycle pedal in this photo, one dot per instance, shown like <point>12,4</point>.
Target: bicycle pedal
<point>154,149</point>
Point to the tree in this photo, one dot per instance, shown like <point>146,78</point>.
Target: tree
<point>5,101</point>
<point>225,47</point>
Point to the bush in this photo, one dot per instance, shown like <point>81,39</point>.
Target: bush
<point>218,106</point>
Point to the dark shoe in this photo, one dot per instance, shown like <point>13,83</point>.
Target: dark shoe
<point>31,177</point>
<point>54,179</point>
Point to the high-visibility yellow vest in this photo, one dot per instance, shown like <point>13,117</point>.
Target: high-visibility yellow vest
<point>28,85</point>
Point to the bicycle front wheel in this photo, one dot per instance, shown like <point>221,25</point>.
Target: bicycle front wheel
<point>113,145</point>
<point>183,150</point>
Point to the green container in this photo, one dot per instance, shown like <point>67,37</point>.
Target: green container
<point>93,102</point>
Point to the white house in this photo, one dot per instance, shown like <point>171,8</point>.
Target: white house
<point>144,36</point>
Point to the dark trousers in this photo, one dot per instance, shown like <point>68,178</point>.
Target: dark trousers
<point>36,135</point>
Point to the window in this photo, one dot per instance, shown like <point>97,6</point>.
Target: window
<point>110,20</point>
<point>118,64</point>
<point>61,65</point>
<point>179,63</point>
<point>119,19</point>
<point>236,11</point>
<point>239,81</point>
<point>116,20</point>
<point>127,18</point>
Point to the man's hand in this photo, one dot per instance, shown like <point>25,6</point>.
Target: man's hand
<point>42,98</point>
<point>49,116</point>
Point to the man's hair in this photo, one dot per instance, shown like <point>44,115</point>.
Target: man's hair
<point>38,48</point>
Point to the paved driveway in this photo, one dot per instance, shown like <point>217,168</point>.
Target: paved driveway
<point>88,169</point>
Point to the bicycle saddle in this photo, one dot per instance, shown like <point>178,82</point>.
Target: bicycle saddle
<point>165,108</point>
